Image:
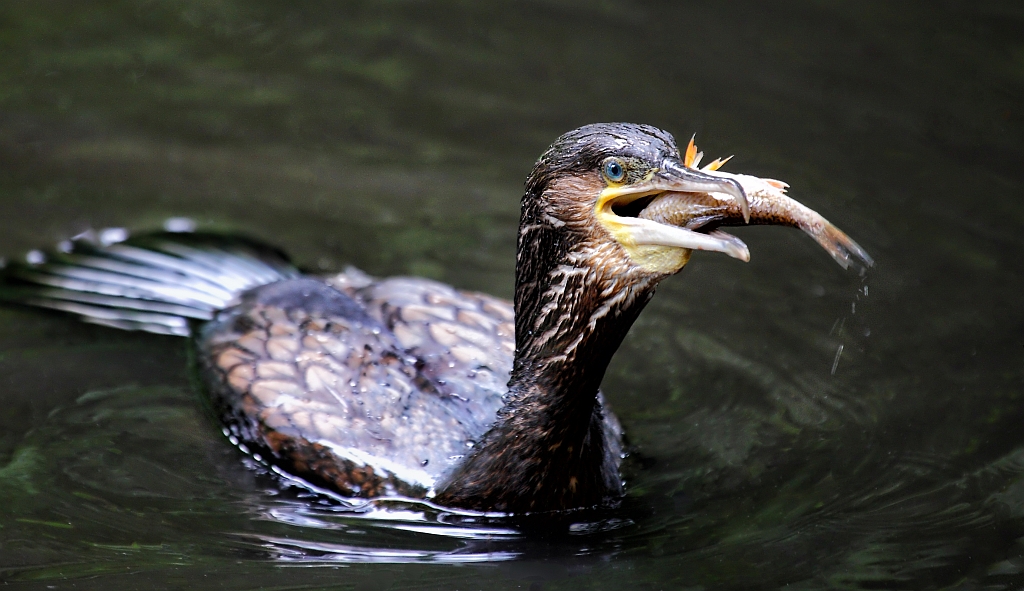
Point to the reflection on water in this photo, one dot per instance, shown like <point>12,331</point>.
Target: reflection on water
<point>314,552</point>
<point>480,542</point>
<point>790,424</point>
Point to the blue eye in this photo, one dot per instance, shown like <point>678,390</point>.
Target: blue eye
<point>613,170</point>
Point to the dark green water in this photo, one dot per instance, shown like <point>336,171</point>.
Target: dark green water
<point>395,136</point>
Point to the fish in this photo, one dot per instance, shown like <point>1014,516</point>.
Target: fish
<point>766,204</point>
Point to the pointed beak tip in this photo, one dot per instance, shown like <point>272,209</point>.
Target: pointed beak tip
<point>741,253</point>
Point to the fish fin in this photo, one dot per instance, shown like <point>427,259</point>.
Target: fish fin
<point>691,153</point>
<point>717,163</point>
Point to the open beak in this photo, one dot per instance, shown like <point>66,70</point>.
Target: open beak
<point>768,205</point>
<point>632,231</point>
<point>682,207</point>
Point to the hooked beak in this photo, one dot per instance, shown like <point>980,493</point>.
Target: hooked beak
<point>672,177</point>
<point>674,174</point>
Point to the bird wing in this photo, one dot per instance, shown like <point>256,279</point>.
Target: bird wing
<point>369,389</point>
<point>464,340</point>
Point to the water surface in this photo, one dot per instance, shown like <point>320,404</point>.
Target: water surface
<point>793,424</point>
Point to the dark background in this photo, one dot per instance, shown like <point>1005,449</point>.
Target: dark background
<point>798,424</point>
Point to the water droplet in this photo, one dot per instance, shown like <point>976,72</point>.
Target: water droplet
<point>835,363</point>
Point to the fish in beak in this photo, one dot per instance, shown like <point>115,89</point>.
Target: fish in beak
<point>767,204</point>
<point>685,206</point>
<point>649,240</point>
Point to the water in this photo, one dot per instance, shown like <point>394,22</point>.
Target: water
<point>794,424</point>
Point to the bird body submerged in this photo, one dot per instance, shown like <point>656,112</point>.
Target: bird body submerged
<point>409,387</point>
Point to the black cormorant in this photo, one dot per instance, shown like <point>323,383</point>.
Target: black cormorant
<point>405,386</point>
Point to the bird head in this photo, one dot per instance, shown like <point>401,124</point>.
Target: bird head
<point>582,248</point>
<point>592,184</point>
<point>611,209</point>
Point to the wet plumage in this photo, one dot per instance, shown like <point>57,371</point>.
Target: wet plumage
<point>406,386</point>
<point>371,390</point>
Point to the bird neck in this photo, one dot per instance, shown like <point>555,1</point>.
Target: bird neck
<point>549,449</point>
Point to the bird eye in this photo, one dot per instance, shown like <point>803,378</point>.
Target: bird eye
<point>614,170</point>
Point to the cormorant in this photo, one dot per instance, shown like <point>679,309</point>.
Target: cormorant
<point>405,386</point>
